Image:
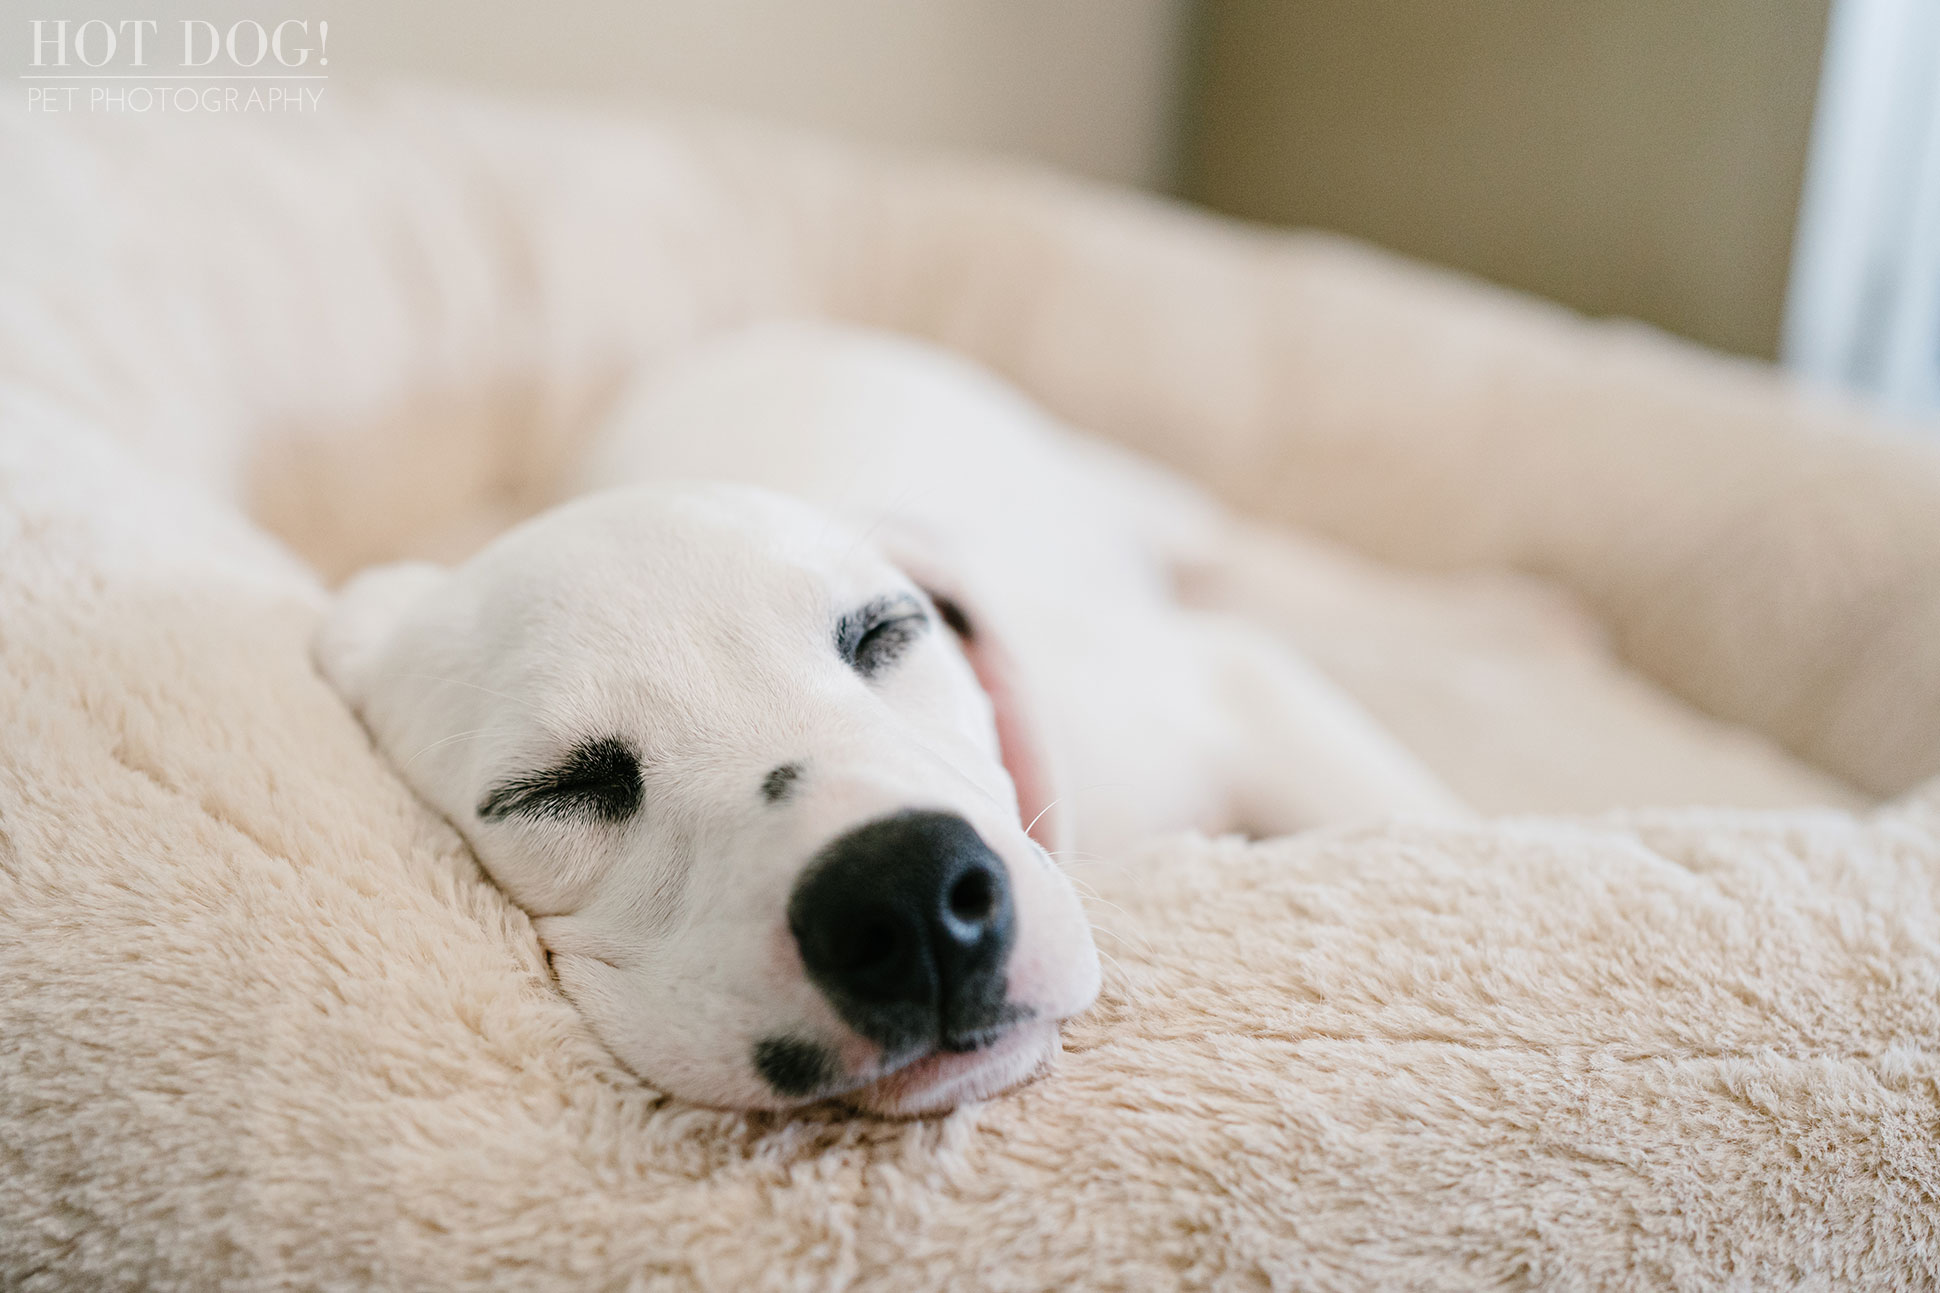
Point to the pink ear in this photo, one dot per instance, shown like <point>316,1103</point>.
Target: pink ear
<point>1018,741</point>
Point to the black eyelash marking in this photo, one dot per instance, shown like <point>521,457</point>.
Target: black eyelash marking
<point>875,636</point>
<point>599,780</point>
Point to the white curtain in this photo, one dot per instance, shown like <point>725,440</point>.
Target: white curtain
<point>1863,309</point>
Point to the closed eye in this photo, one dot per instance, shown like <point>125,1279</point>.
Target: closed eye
<point>873,637</point>
<point>598,781</point>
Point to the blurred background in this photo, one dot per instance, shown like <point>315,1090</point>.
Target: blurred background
<point>1762,176</point>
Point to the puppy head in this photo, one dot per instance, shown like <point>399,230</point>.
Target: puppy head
<point>745,779</point>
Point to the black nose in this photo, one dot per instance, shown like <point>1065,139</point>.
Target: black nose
<point>905,925</point>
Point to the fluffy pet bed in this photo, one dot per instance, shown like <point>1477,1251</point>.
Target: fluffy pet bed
<point>266,1026</point>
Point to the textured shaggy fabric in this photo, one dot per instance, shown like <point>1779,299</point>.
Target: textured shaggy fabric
<point>266,1026</point>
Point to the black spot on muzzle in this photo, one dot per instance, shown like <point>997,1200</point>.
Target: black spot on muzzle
<point>794,1067</point>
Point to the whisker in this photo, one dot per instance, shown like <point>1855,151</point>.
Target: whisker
<point>460,682</point>
<point>1128,942</point>
<point>1095,785</point>
<point>1142,943</point>
<point>443,740</point>
<point>1040,813</point>
<point>1124,975</point>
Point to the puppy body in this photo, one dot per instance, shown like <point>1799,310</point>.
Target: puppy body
<point>771,730</point>
<point>1154,716</point>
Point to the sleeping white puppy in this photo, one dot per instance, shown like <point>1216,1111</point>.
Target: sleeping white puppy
<point>773,747</point>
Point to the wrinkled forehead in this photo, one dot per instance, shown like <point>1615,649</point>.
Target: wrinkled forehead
<point>665,596</point>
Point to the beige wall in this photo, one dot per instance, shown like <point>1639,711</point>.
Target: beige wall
<point>1086,84</point>
<point>1636,157</point>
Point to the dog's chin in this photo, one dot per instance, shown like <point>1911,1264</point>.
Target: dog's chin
<point>943,1080</point>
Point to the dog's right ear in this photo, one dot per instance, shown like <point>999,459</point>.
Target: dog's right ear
<point>1020,739</point>
<point>363,620</point>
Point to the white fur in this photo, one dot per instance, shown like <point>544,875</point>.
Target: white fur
<point>691,617</point>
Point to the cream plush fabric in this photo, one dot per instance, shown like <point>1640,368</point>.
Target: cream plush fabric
<point>264,1025</point>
